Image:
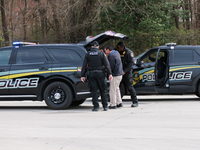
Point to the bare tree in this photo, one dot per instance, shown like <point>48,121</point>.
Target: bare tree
<point>43,17</point>
<point>24,18</point>
<point>4,23</point>
<point>57,24</point>
<point>80,18</point>
<point>198,14</point>
<point>187,20</point>
<point>11,20</point>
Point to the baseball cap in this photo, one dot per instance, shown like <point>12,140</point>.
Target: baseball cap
<point>95,43</point>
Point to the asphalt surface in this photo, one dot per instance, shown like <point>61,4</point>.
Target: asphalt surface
<point>159,123</point>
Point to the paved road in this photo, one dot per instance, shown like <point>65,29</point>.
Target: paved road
<point>159,123</point>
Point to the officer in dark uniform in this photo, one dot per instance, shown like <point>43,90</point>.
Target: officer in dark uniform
<point>95,62</point>
<point>127,58</point>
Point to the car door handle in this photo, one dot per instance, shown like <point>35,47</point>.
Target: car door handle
<point>3,70</point>
<point>44,68</point>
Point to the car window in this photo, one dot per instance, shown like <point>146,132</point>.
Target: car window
<point>182,56</point>
<point>65,55</point>
<point>152,57</point>
<point>5,56</point>
<point>196,56</point>
<point>30,56</point>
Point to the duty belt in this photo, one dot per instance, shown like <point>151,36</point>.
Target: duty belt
<point>96,70</point>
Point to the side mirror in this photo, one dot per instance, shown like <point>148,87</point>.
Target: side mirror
<point>137,62</point>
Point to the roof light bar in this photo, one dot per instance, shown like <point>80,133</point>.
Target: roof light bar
<point>22,43</point>
<point>170,44</point>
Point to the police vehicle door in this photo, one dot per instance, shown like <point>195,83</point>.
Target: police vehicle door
<point>184,70</point>
<point>161,71</point>
<point>143,76</point>
<point>5,63</point>
<point>67,63</point>
<point>32,66</point>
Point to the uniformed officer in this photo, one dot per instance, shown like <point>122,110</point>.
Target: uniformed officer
<point>127,58</point>
<point>96,62</point>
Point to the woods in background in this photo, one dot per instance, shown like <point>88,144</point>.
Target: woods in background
<point>149,23</point>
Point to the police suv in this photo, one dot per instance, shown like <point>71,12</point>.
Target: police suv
<point>169,69</point>
<point>50,72</point>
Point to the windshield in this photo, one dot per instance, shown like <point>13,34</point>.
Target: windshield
<point>140,55</point>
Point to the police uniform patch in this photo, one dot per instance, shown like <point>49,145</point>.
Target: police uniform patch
<point>124,52</point>
<point>131,54</point>
<point>93,53</point>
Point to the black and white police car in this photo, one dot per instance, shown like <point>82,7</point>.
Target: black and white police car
<point>169,69</point>
<point>49,72</point>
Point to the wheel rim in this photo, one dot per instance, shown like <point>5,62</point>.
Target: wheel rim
<point>57,95</point>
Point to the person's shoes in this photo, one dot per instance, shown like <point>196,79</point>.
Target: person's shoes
<point>134,105</point>
<point>112,107</point>
<point>120,105</point>
<point>95,109</point>
<point>105,108</point>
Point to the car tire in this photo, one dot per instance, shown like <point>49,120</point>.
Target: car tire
<point>197,93</point>
<point>58,95</point>
<point>122,89</point>
<point>77,103</point>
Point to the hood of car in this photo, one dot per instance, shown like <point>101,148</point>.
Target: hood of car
<point>103,37</point>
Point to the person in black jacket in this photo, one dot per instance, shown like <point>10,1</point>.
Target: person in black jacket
<point>117,71</point>
<point>127,58</point>
<point>96,62</point>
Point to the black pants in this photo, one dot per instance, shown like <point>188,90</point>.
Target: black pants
<point>97,81</point>
<point>128,82</point>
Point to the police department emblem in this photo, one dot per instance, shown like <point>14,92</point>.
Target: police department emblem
<point>136,76</point>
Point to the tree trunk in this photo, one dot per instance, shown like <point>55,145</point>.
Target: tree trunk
<point>176,17</point>
<point>11,21</point>
<point>4,24</point>
<point>191,14</point>
<point>57,25</point>
<point>88,15</point>
<point>42,12</point>
<point>198,14</point>
<point>24,19</point>
<point>72,23</point>
<point>187,20</point>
